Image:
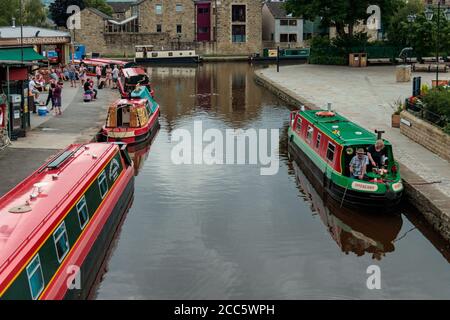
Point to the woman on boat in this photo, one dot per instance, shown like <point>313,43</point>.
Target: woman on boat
<point>377,154</point>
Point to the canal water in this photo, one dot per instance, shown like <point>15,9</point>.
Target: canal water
<point>227,232</point>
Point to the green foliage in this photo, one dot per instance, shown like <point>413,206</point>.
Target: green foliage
<point>34,13</point>
<point>99,5</point>
<point>58,10</point>
<point>421,34</point>
<point>341,13</point>
<point>437,100</point>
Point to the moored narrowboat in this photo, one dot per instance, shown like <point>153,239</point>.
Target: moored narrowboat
<point>130,78</point>
<point>58,223</point>
<point>326,143</point>
<point>287,54</point>
<point>132,120</point>
<point>147,54</point>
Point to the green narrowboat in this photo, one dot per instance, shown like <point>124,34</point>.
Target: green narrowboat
<point>287,54</point>
<point>326,142</point>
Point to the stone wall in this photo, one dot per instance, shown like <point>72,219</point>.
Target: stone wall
<point>169,19</point>
<point>425,134</point>
<point>253,43</point>
<point>91,32</point>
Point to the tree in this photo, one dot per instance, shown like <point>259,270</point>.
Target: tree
<point>58,10</point>
<point>340,13</point>
<point>420,34</point>
<point>33,13</point>
<point>99,5</point>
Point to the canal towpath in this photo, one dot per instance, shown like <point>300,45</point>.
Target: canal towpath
<point>49,134</point>
<point>365,96</point>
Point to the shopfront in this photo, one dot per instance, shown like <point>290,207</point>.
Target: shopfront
<point>50,43</point>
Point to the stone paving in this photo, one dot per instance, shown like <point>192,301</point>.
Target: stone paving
<point>78,124</point>
<point>364,96</point>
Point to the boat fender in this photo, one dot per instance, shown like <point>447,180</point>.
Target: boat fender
<point>325,114</point>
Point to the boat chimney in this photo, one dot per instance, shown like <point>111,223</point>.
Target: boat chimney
<point>13,22</point>
<point>329,106</point>
<point>380,134</point>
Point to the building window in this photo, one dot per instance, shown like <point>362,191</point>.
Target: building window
<point>293,37</point>
<point>203,10</point>
<point>158,9</point>
<point>238,13</point>
<point>284,37</point>
<point>179,28</point>
<point>284,22</point>
<point>330,152</point>
<point>61,241</point>
<point>35,277</point>
<point>83,213</point>
<point>238,33</point>
<point>103,184</point>
<point>158,28</point>
<point>293,23</point>
<point>179,7</point>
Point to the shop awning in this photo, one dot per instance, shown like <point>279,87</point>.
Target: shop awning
<point>14,54</point>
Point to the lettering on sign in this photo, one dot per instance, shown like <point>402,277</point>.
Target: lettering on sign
<point>364,186</point>
<point>43,40</point>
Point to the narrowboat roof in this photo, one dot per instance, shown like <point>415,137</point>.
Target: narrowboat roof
<point>132,102</point>
<point>132,72</point>
<point>340,128</point>
<point>33,208</point>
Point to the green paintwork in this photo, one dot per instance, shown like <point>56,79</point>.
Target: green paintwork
<point>19,289</point>
<point>349,133</point>
<point>346,138</point>
<point>15,54</point>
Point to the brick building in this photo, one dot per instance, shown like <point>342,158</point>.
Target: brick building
<point>222,27</point>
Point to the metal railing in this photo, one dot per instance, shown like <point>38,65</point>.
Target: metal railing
<point>423,113</point>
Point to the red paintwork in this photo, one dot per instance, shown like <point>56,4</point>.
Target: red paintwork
<point>132,72</point>
<point>137,132</point>
<point>57,289</point>
<point>203,21</point>
<point>322,150</point>
<point>22,234</point>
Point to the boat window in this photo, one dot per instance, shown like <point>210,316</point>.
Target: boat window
<point>35,277</point>
<point>61,241</point>
<point>83,213</point>
<point>154,55</point>
<point>299,125</point>
<point>103,184</point>
<point>330,151</point>
<point>309,134</point>
<point>319,137</point>
<point>170,54</point>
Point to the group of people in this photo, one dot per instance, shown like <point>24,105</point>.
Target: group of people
<point>42,81</point>
<point>375,158</point>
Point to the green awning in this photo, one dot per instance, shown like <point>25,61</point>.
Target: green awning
<point>14,54</point>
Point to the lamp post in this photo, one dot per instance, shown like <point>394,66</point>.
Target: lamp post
<point>411,18</point>
<point>429,14</point>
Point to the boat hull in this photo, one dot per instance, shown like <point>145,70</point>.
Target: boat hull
<point>274,59</point>
<point>138,135</point>
<point>348,198</point>
<point>169,60</point>
<point>92,268</point>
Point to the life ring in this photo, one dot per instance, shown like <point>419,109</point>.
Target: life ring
<point>325,114</point>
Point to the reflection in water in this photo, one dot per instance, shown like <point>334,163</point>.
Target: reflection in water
<point>355,232</point>
<point>139,152</point>
<point>226,232</point>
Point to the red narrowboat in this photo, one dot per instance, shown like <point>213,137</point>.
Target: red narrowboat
<point>130,78</point>
<point>132,120</point>
<point>57,224</point>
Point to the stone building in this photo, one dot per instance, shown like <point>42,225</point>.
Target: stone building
<point>225,27</point>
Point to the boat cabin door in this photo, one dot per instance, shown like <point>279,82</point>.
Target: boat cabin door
<point>123,116</point>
